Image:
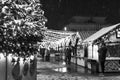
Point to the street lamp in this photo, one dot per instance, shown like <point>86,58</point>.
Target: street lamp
<point>65,28</point>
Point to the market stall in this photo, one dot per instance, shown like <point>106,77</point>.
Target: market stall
<point>57,41</point>
<point>111,36</point>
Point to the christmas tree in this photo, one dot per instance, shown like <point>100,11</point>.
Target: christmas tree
<point>22,24</point>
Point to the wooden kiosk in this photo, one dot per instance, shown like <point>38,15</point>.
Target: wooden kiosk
<point>111,37</point>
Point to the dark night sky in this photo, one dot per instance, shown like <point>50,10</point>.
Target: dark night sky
<point>58,12</point>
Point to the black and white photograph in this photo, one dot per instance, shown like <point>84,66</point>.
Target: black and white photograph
<point>59,39</point>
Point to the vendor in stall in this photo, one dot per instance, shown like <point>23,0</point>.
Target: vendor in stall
<point>102,55</point>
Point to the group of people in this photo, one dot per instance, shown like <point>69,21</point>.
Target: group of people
<point>102,55</point>
<point>68,53</point>
<point>45,53</point>
<point>69,50</point>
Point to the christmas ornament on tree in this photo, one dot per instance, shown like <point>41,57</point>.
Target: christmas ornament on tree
<point>33,66</point>
<point>16,71</point>
<point>22,25</point>
<point>25,68</point>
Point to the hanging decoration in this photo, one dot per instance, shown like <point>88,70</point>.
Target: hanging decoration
<point>25,68</point>
<point>55,38</point>
<point>22,25</point>
<point>16,71</point>
<point>32,66</point>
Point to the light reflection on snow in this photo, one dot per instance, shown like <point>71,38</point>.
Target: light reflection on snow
<point>63,69</point>
<point>64,63</point>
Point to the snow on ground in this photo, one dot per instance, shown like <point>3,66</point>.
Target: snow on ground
<point>53,71</point>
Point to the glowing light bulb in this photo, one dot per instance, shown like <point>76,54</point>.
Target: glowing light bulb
<point>65,28</point>
<point>31,57</point>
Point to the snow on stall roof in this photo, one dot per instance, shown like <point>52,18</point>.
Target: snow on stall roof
<point>100,33</point>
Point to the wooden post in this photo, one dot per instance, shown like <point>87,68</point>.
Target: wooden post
<point>76,58</point>
<point>76,51</point>
<point>92,50</point>
<point>6,66</point>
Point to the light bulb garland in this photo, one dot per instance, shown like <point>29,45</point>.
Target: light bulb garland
<point>55,38</point>
<point>22,25</point>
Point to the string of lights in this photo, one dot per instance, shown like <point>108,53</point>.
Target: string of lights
<point>22,25</point>
<point>55,38</point>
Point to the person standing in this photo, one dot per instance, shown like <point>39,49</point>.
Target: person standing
<point>66,53</point>
<point>48,54</point>
<point>42,52</point>
<point>69,51</point>
<point>102,55</point>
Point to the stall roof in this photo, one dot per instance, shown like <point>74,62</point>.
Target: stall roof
<point>100,33</point>
<point>86,34</point>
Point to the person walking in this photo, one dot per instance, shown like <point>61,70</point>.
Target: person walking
<point>68,55</point>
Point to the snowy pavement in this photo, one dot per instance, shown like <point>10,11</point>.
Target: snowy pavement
<point>60,71</point>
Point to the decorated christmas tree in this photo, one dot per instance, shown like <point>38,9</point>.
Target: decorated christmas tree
<point>22,25</point>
